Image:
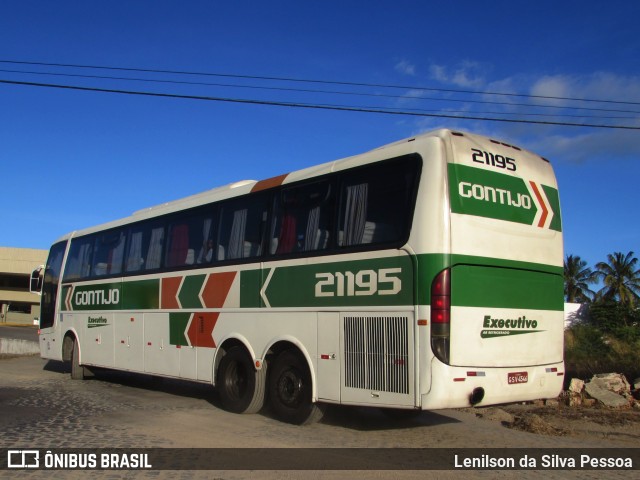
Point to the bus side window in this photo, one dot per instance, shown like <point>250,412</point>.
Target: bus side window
<point>302,222</point>
<point>242,224</point>
<point>376,203</point>
<point>190,239</point>
<point>108,253</point>
<point>79,259</point>
<point>144,250</point>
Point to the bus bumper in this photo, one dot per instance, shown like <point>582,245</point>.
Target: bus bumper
<point>459,387</point>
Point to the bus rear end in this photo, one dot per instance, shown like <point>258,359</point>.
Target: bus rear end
<point>496,306</point>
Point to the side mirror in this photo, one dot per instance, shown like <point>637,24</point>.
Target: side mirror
<point>35,282</point>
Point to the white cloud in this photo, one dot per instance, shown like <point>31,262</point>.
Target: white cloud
<point>467,74</point>
<point>405,68</point>
<point>562,143</point>
<point>596,86</point>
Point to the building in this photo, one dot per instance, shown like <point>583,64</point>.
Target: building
<point>17,305</point>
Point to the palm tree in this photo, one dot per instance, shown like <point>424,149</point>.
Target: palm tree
<point>577,277</point>
<point>620,277</point>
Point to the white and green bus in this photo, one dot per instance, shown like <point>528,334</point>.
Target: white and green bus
<point>425,274</point>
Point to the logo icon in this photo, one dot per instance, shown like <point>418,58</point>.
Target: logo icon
<point>23,459</point>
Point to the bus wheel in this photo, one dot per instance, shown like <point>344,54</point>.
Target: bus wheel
<point>290,390</point>
<point>241,386</point>
<point>78,372</point>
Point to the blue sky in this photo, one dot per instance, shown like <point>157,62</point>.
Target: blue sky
<point>72,159</point>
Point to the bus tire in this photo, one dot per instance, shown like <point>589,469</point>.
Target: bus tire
<point>78,372</point>
<point>240,385</point>
<point>290,390</point>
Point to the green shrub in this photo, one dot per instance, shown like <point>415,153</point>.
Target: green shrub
<point>588,350</point>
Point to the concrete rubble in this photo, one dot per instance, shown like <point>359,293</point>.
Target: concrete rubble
<point>609,389</point>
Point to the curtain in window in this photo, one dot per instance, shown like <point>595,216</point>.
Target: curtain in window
<point>287,238</point>
<point>134,259</point>
<point>84,259</point>
<point>236,239</point>
<point>154,255</point>
<point>117,254</point>
<point>179,245</point>
<point>206,252</point>
<point>312,232</point>
<point>355,214</point>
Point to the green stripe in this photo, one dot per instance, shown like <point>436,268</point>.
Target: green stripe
<point>429,265</point>
<point>141,294</point>
<point>554,200</point>
<point>177,325</point>
<point>478,286</point>
<point>250,283</point>
<point>190,291</point>
<point>477,281</point>
<point>353,283</point>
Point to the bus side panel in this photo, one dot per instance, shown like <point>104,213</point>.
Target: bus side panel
<point>97,338</point>
<point>329,376</point>
<point>160,357</point>
<point>129,338</point>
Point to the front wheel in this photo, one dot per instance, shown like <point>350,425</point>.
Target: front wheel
<point>290,390</point>
<point>241,386</point>
<point>78,372</point>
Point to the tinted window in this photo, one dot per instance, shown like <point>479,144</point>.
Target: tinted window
<point>79,259</point>
<point>302,221</point>
<point>241,227</point>
<point>376,203</point>
<point>50,284</point>
<point>190,240</point>
<point>144,249</point>
<point>108,253</point>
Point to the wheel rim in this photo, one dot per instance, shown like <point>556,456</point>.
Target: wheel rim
<point>290,388</point>
<point>236,381</point>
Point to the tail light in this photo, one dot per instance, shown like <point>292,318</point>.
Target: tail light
<point>441,315</point>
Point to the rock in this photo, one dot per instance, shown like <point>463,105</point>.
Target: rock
<point>588,402</point>
<point>606,397</point>
<point>575,400</point>
<point>614,382</point>
<point>551,402</point>
<point>576,385</point>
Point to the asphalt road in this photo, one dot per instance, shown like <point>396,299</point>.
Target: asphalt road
<point>41,407</point>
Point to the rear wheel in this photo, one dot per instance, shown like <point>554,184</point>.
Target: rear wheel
<point>241,386</point>
<point>290,390</point>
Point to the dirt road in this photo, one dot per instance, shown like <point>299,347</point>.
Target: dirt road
<point>41,407</point>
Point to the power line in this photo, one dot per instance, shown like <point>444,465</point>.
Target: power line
<point>311,106</point>
<point>334,92</point>
<point>327,82</point>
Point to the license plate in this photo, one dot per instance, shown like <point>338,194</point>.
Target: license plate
<point>518,377</point>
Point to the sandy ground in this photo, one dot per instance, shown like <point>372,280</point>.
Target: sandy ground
<point>40,407</point>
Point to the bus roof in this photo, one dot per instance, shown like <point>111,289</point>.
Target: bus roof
<point>247,186</point>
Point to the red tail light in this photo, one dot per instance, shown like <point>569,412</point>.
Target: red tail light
<point>441,315</point>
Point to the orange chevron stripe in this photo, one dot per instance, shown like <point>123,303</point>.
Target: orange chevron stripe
<point>169,292</point>
<point>545,210</point>
<point>200,331</point>
<point>216,289</point>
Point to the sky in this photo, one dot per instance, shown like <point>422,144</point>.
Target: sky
<point>70,159</point>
